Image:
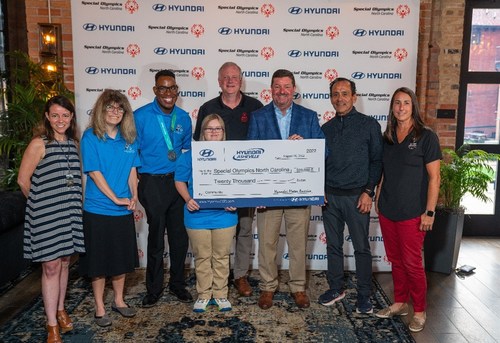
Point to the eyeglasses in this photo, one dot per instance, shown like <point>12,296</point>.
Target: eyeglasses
<point>214,129</point>
<point>163,89</point>
<point>231,78</point>
<point>111,108</point>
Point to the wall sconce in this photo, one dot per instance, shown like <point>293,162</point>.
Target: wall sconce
<point>50,46</point>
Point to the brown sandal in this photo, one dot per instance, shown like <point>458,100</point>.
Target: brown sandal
<point>53,334</point>
<point>64,321</point>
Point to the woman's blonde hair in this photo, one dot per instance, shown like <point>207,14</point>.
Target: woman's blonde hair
<point>98,117</point>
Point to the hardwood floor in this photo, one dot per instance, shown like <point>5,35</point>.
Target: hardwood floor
<point>462,310</point>
<point>459,310</point>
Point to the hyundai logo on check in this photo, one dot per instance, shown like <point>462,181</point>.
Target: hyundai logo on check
<point>359,32</point>
<point>295,10</point>
<point>357,75</point>
<point>206,153</point>
<point>159,7</point>
<point>225,30</point>
<point>294,53</point>
<point>160,50</point>
<point>89,27</point>
<point>92,70</point>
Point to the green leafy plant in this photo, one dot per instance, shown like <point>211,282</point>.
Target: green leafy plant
<point>29,86</point>
<point>465,171</point>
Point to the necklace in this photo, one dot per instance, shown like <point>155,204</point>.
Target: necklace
<point>69,177</point>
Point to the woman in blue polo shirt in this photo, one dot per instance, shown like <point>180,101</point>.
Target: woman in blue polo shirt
<point>110,159</point>
<point>210,231</point>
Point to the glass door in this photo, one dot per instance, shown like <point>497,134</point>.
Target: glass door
<point>479,106</point>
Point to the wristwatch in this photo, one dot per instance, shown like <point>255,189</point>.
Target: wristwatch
<point>370,192</point>
<point>429,213</point>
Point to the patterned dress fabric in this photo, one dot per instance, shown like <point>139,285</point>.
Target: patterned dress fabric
<point>53,220</point>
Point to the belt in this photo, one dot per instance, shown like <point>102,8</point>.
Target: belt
<point>167,175</point>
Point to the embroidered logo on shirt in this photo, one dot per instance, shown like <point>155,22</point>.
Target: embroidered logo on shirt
<point>128,149</point>
<point>413,144</point>
<point>244,117</point>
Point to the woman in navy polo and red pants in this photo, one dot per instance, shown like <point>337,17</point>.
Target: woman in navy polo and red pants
<point>406,200</point>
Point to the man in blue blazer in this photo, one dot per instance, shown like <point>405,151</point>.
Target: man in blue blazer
<point>283,119</point>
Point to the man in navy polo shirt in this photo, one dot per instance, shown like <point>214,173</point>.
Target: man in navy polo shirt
<point>163,131</point>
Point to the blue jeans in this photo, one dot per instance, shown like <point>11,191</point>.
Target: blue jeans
<point>341,210</point>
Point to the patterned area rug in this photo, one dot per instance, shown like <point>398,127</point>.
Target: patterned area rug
<point>173,321</point>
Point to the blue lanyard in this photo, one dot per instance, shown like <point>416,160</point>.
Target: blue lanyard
<point>166,136</point>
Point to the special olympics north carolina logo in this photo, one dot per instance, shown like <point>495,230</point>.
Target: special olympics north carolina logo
<point>198,73</point>
<point>131,6</point>
<point>332,32</point>
<point>322,237</point>
<point>403,10</point>
<point>197,30</point>
<point>267,10</point>
<point>265,95</point>
<point>267,52</point>
<point>138,215</point>
<point>133,50</point>
<point>134,92</point>
<point>400,54</point>
<point>331,74</point>
<point>328,115</point>
<point>194,114</point>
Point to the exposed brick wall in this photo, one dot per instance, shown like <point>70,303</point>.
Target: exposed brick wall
<point>438,62</point>
<point>60,13</point>
<point>438,71</point>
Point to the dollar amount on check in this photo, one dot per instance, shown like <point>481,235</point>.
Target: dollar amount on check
<point>258,173</point>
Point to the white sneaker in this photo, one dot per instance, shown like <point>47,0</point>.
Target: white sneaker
<point>200,305</point>
<point>223,304</point>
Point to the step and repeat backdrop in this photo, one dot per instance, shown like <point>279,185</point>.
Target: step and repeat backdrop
<point>122,44</point>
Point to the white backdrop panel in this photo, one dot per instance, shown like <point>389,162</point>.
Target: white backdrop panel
<point>122,44</point>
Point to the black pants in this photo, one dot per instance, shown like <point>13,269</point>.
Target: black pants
<point>164,209</point>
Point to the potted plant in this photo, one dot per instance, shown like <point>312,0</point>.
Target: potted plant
<point>462,171</point>
<point>28,88</point>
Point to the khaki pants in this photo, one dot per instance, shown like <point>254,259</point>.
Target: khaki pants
<point>211,249</point>
<point>297,228</point>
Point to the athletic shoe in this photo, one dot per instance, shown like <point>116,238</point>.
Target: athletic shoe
<point>330,297</point>
<point>364,306</point>
<point>223,304</point>
<point>200,305</point>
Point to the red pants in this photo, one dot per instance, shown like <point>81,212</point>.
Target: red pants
<point>403,243</point>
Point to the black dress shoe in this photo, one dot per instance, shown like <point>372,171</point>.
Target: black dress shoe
<point>150,300</point>
<point>182,294</point>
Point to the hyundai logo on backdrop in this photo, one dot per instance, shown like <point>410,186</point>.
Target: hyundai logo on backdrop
<point>255,73</point>
<point>159,7</point>
<point>358,75</point>
<point>313,53</point>
<point>382,76</point>
<point>106,27</point>
<point>359,32</point>
<point>160,51</point>
<point>313,10</point>
<point>186,8</point>
<point>378,33</point>
<point>111,71</point>
<point>89,27</point>
<point>243,31</point>
<point>295,10</point>
<point>92,70</point>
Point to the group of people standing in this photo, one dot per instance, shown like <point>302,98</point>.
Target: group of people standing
<point>145,156</point>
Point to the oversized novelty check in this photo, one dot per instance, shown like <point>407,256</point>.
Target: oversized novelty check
<point>258,173</point>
